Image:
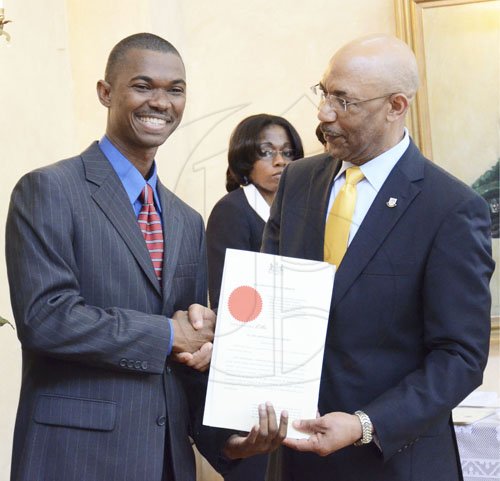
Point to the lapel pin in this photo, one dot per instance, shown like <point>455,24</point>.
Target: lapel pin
<point>392,202</point>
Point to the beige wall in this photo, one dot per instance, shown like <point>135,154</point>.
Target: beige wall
<point>241,57</point>
<point>36,124</point>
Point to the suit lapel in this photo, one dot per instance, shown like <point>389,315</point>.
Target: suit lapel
<point>380,219</point>
<point>112,199</point>
<point>173,226</point>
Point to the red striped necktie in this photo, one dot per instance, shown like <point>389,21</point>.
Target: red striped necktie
<point>150,224</point>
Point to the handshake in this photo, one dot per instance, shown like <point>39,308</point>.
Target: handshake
<point>193,336</point>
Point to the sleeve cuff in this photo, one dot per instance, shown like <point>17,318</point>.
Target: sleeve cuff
<point>171,341</point>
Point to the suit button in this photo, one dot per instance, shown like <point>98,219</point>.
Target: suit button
<point>161,421</point>
<point>144,365</point>
<point>130,363</point>
<point>123,362</point>
<point>169,369</point>
<point>137,364</point>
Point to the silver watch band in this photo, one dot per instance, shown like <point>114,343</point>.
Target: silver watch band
<point>366,427</point>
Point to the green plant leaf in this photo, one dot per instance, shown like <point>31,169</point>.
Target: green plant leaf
<point>5,321</point>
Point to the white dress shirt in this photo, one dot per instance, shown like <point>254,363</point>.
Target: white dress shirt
<point>376,172</point>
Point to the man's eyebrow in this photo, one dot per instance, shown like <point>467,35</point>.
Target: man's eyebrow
<point>338,93</point>
<point>142,77</point>
<point>146,78</point>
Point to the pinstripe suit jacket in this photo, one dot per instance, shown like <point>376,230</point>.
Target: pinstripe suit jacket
<point>100,400</point>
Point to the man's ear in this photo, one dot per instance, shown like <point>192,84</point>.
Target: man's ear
<point>104,92</point>
<point>399,105</point>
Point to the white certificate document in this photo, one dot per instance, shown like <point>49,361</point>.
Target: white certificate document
<point>269,339</point>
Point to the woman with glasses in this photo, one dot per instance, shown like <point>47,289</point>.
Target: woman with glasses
<point>259,149</point>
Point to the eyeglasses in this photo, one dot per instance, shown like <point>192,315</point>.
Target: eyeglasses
<point>270,154</point>
<point>338,103</point>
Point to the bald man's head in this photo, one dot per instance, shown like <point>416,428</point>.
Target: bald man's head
<point>383,61</point>
<point>368,85</point>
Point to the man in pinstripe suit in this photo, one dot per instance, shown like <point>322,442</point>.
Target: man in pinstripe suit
<point>111,387</point>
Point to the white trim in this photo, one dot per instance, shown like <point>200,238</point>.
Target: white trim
<point>256,201</point>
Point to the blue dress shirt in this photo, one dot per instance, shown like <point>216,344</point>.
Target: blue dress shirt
<point>134,184</point>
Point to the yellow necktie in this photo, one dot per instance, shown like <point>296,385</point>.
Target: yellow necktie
<point>339,219</point>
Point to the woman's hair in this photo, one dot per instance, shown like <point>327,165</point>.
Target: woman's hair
<point>244,146</point>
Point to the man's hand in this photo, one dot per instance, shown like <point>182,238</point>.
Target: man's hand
<point>263,438</point>
<point>199,360</point>
<point>328,433</point>
<point>200,315</point>
<point>192,328</point>
<point>202,320</point>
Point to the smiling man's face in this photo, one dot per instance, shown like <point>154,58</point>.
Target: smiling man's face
<point>145,97</point>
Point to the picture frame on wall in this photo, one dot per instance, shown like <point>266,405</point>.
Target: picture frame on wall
<point>455,117</point>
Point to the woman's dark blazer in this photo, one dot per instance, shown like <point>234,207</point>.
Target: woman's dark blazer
<point>233,224</point>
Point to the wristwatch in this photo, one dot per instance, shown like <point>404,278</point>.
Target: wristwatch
<point>367,429</point>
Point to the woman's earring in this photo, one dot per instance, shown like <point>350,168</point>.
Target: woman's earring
<point>245,180</point>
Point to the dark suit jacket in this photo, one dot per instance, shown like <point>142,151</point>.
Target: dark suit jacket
<point>232,224</point>
<point>100,399</point>
<point>409,327</point>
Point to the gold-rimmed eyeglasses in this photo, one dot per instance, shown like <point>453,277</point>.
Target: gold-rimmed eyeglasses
<point>338,103</point>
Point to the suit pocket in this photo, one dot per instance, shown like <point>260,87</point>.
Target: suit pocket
<point>435,457</point>
<point>74,412</point>
<point>380,267</point>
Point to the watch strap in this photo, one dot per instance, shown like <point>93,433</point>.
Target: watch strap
<point>366,427</point>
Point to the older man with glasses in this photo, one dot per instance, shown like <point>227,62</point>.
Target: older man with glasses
<point>410,315</point>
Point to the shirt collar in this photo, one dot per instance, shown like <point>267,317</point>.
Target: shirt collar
<point>131,178</point>
<point>256,201</point>
<point>378,169</point>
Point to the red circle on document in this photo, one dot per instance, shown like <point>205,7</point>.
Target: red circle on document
<point>245,303</point>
